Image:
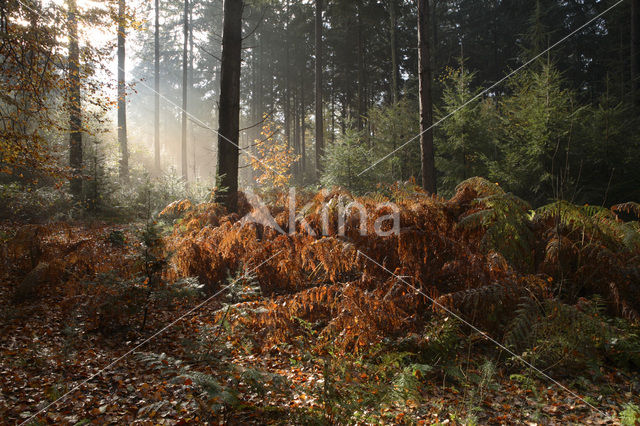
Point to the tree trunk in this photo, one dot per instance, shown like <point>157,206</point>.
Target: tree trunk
<point>361,76</point>
<point>635,51</point>
<point>434,41</point>
<point>122,95</point>
<point>296,134</point>
<point>333,115</point>
<point>189,88</point>
<point>3,17</point>
<point>156,71</point>
<point>75,111</point>
<point>185,84</point>
<point>319,114</point>
<point>254,133</point>
<point>229,115</point>
<point>395,74</point>
<point>426,102</point>
<point>303,129</point>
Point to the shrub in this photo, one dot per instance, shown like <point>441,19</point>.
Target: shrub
<point>116,302</point>
<point>32,203</point>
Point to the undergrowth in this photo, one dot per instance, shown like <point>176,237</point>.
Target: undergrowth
<point>557,286</point>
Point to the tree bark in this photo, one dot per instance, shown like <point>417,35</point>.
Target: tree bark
<point>296,134</point>
<point>189,88</point>
<point>185,84</point>
<point>229,115</point>
<point>319,113</point>
<point>635,51</point>
<point>75,106</point>
<point>156,72</point>
<point>287,87</point>
<point>361,77</point>
<point>303,154</point>
<point>3,17</point>
<point>122,95</point>
<point>395,73</point>
<point>426,101</point>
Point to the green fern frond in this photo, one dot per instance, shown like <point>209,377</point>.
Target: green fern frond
<point>520,333</point>
<point>505,219</point>
<point>475,220</point>
<point>592,223</point>
<point>479,298</point>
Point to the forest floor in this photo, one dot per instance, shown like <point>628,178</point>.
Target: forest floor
<point>98,324</point>
<point>41,361</point>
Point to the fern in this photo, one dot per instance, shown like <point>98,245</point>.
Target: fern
<point>480,186</point>
<point>487,299</point>
<point>504,219</point>
<point>629,207</point>
<point>520,333</point>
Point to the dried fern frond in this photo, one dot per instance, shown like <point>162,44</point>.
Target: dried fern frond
<point>481,187</point>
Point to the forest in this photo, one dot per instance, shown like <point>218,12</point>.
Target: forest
<point>320,212</point>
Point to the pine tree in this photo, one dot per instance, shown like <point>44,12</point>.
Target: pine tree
<point>75,105</point>
<point>319,89</point>
<point>464,140</point>
<point>536,135</point>
<point>229,115</point>
<point>426,100</point>
<point>122,94</point>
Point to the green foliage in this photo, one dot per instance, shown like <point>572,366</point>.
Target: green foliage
<point>520,334</point>
<point>537,127</point>
<point>220,393</point>
<point>609,151</point>
<point>465,139</point>
<point>622,345</point>
<point>598,225</point>
<point>117,238</point>
<point>393,125</point>
<point>440,341</point>
<point>630,416</point>
<point>356,387</point>
<point>211,341</point>
<point>345,159</point>
<point>504,218</point>
<point>118,302</point>
<point>538,332</point>
<point>32,203</point>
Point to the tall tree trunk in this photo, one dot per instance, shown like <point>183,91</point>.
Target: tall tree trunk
<point>635,51</point>
<point>189,88</point>
<point>75,106</point>
<point>296,134</point>
<point>287,88</point>
<point>185,84</point>
<point>434,26</point>
<point>156,72</point>
<point>229,115</point>
<point>254,133</point>
<point>3,17</point>
<point>395,73</point>
<point>122,95</point>
<point>344,113</point>
<point>333,115</point>
<point>303,129</point>
<point>426,102</point>
<point>361,76</point>
<point>319,114</point>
